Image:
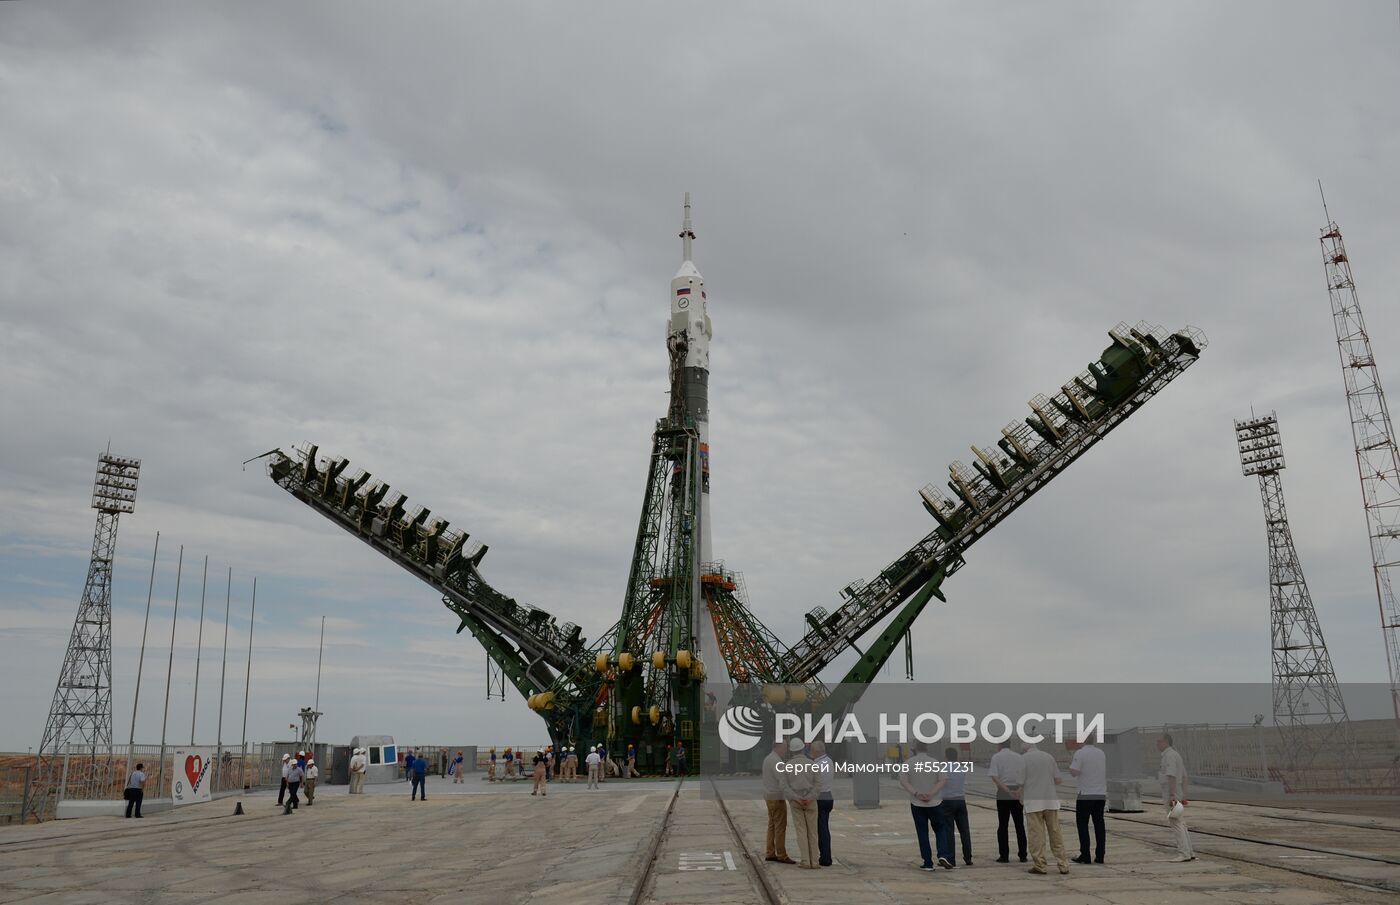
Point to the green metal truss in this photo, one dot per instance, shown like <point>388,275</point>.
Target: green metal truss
<point>559,671</point>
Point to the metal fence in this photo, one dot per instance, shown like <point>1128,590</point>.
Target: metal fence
<point>79,776</point>
<point>1365,763</point>
<point>14,793</point>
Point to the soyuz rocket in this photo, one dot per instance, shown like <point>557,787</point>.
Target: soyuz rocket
<point>689,330</point>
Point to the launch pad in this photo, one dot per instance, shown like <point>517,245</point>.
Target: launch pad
<point>639,686</point>
<point>643,843</point>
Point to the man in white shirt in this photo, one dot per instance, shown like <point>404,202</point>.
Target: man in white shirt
<point>1172,777</point>
<point>1008,771</point>
<point>803,785</point>
<point>135,789</point>
<point>924,783</point>
<point>358,763</point>
<point>826,772</point>
<point>282,790</point>
<point>594,760</point>
<point>774,795</point>
<point>294,777</point>
<point>309,783</point>
<point>1041,801</point>
<point>1091,769</point>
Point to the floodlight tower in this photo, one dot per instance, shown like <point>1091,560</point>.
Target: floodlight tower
<point>1377,459</point>
<point>309,716</point>
<point>1305,687</point>
<point>80,717</point>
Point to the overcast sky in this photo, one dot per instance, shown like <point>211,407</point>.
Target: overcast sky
<point>438,240</point>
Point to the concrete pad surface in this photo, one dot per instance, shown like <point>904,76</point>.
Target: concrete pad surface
<point>495,844</point>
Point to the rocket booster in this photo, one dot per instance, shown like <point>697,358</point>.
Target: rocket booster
<point>689,327</point>
<point>688,337</point>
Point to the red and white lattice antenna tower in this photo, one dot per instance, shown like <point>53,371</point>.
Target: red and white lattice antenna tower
<point>1377,457</point>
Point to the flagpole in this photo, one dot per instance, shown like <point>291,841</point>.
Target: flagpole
<point>199,648</point>
<point>223,674</point>
<point>141,662</point>
<point>247,680</point>
<point>170,668</point>
<point>317,706</point>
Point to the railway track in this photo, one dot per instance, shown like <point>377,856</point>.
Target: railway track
<point>700,845</point>
<point>1353,866</point>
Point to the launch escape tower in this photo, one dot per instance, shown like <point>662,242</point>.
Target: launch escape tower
<point>685,616</point>
<point>1377,459</point>
<point>1305,689</point>
<point>80,717</point>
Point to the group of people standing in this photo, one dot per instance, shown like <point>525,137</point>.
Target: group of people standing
<point>564,764</point>
<point>797,783</point>
<point>937,802</point>
<point>565,767</point>
<point>507,760</point>
<point>1028,798</point>
<point>298,774</point>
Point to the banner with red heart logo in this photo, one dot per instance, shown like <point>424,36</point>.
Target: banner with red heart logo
<point>189,781</point>
<point>193,763</point>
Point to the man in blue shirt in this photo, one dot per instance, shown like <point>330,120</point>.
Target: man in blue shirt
<point>680,760</point>
<point>419,770</point>
<point>955,808</point>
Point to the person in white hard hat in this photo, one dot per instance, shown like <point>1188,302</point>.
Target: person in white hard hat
<point>358,764</point>
<point>309,784</point>
<point>282,791</point>
<point>541,777</point>
<point>294,777</point>
<point>594,759</point>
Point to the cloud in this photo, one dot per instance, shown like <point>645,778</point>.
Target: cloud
<point>438,245</point>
